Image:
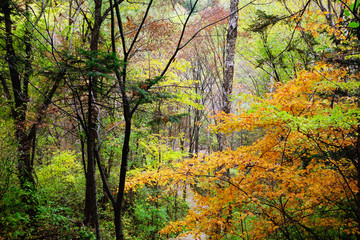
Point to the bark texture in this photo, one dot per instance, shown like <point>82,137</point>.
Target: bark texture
<point>227,83</point>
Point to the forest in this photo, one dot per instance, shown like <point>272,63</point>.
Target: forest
<point>180,119</point>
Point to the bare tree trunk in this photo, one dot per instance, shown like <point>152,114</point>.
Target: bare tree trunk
<point>197,114</point>
<point>91,209</point>
<point>227,83</point>
<point>123,170</point>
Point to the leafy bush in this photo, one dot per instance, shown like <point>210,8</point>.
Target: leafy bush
<point>62,181</point>
<point>151,211</point>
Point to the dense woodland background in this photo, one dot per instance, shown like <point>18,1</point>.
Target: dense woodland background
<point>161,119</point>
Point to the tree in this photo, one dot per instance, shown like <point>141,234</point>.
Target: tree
<point>110,86</point>
<point>21,93</point>
<point>91,210</point>
<point>131,103</point>
<point>300,180</point>
<point>227,82</point>
<point>129,107</point>
<point>300,173</point>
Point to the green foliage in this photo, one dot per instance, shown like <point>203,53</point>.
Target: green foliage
<point>354,6</point>
<point>146,95</point>
<point>57,221</point>
<point>263,21</point>
<point>151,211</point>
<point>13,218</point>
<point>52,220</point>
<point>91,64</point>
<point>353,25</point>
<point>174,118</point>
<point>60,195</point>
<point>8,152</point>
<point>189,4</point>
<point>61,179</point>
<point>99,61</point>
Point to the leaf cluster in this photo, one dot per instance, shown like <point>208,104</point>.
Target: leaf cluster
<point>263,21</point>
<point>93,63</point>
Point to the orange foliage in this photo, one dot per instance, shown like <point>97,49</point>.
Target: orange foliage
<point>298,181</point>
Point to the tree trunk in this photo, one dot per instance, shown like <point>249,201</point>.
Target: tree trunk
<point>91,210</point>
<point>227,84</point>
<point>17,93</point>
<point>91,207</point>
<point>20,98</point>
<point>123,170</point>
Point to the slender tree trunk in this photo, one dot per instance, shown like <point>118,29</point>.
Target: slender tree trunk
<point>128,110</point>
<point>123,170</point>
<point>197,121</point>
<point>91,207</point>
<point>227,84</point>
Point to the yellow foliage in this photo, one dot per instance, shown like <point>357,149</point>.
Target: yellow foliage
<point>292,178</point>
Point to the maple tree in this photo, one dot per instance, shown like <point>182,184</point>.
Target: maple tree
<point>298,180</point>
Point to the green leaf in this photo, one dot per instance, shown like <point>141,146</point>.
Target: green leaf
<point>354,7</point>
<point>346,13</point>
<point>354,24</point>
